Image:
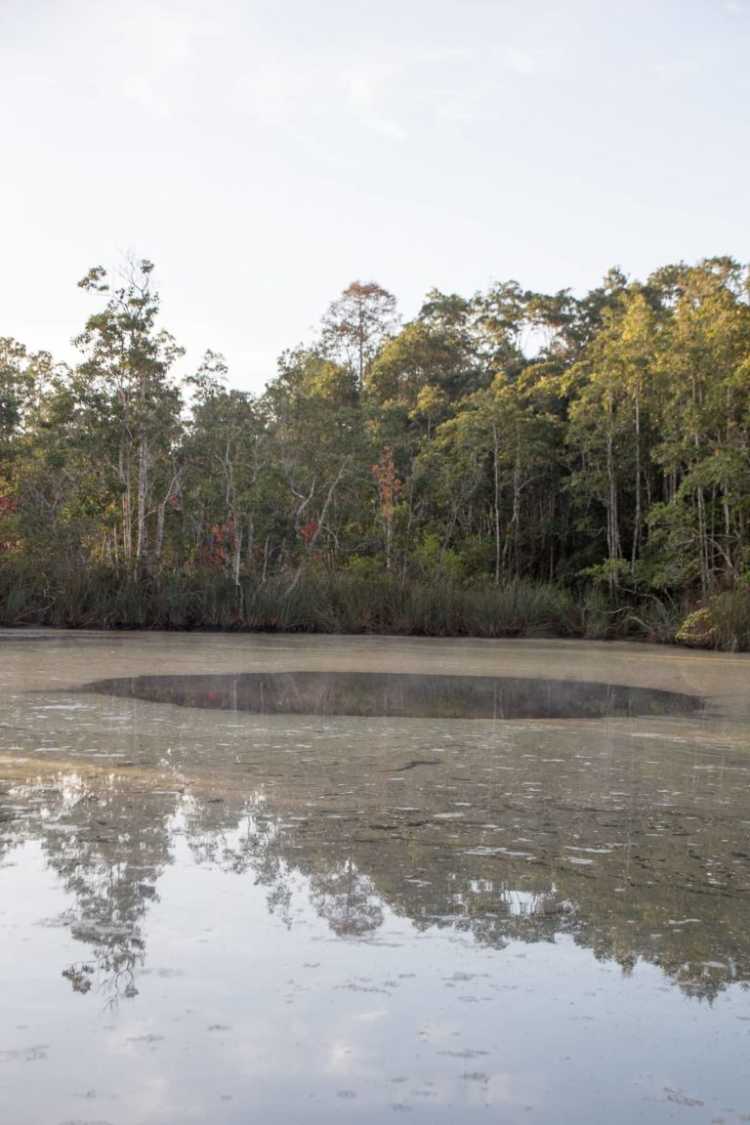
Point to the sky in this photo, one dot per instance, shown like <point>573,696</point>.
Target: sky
<point>266,154</point>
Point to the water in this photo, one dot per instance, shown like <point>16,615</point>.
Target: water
<point>222,915</point>
<point>401,695</point>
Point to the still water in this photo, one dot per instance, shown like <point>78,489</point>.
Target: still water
<point>258,879</point>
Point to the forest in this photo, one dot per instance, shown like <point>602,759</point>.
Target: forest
<point>505,464</point>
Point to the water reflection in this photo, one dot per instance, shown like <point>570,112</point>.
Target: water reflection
<point>666,885</point>
<point>109,845</point>
<point>218,915</point>
<point>401,695</point>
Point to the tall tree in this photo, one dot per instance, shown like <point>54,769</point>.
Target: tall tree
<point>357,323</point>
<point>126,378</point>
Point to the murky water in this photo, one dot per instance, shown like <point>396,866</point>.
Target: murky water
<point>216,911</point>
<point>401,695</point>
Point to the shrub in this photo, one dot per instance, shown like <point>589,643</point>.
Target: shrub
<point>697,630</point>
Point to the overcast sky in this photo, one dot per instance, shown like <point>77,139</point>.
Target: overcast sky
<point>265,154</point>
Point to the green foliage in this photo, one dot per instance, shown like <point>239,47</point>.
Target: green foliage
<point>434,561</point>
<point>438,477</point>
<point>724,623</point>
<point>698,629</point>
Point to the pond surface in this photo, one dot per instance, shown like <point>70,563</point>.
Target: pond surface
<point>309,880</point>
<point>401,695</point>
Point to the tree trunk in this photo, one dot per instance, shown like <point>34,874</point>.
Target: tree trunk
<point>159,542</point>
<point>613,522</point>
<point>250,545</point>
<point>497,505</point>
<point>703,540</point>
<point>638,516</point>
<point>142,531</point>
<point>264,575</point>
<point>160,518</point>
<point>237,553</point>
<point>727,531</point>
<point>127,508</point>
<point>515,520</point>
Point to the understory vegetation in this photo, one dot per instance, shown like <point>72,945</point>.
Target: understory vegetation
<point>510,464</point>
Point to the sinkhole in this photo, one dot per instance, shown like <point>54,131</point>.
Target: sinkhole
<point>401,695</point>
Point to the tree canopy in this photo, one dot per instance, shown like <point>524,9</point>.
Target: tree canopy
<point>511,434</point>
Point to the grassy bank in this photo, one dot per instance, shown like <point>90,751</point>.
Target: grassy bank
<point>344,603</point>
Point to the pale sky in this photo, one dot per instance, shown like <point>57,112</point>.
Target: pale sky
<point>266,154</point>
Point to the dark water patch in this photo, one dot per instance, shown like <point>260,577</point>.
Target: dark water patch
<point>396,695</point>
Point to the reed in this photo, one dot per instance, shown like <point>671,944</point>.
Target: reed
<point>343,602</point>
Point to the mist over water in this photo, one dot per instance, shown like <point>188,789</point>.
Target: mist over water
<point>216,911</point>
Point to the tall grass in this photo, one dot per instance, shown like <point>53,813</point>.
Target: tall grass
<point>102,598</point>
<point>730,612</point>
<point>340,603</point>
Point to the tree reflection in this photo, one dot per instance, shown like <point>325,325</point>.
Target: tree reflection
<point>108,846</point>
<point>347,899</point>
<point>111,843</point>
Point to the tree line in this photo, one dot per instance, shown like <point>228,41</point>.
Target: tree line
<point>598,443</point>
